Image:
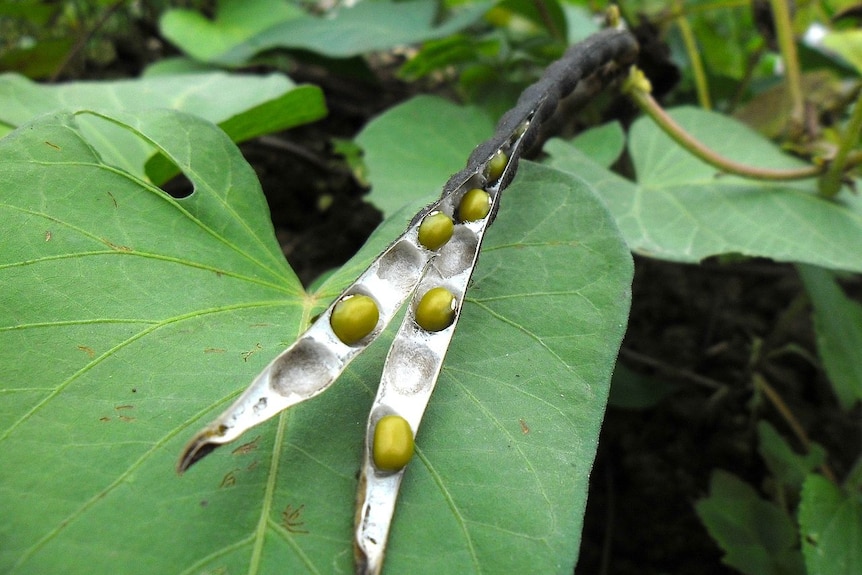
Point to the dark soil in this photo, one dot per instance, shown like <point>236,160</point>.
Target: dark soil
<point>708,329</point>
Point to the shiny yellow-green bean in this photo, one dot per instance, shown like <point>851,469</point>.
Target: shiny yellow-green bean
<point>475,205</point>
<point>353,318</point>
<point>435,230</point>
<point>392,445</point>
<point>497,165</point>
<point>436,309</point>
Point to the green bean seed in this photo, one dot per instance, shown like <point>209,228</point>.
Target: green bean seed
<point>475,205</point>
<point>353,318</point>
<point>497,165</point>
<point>393,443</point>
<point>436,309</point>
<point>435,230</point>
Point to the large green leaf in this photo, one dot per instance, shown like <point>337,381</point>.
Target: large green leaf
<point>680,209</point>
<point>366,27</point>
<point>129,319</point>
<point>244,106</point>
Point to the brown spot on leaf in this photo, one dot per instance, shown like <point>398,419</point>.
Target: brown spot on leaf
<point>116,247</point>
<point>248,354</point>
<point>88,350</point>
<point>291,519</point>
<point>247,447</point>
<point>229,480</point>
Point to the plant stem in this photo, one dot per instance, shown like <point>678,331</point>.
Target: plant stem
<point>638,88</point>
<point>81,41</point>
<point>545,15</point>
<point>787,45</point>
<point>779,404</point>
<point>830,183</point>
<point>693,56</point>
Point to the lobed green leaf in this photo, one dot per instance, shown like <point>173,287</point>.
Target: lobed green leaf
<point>244,106</point>
<point>351,31</point>
<point>680,209</point>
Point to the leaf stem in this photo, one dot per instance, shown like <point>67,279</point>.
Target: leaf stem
<point>548,21</point>
<point>787,45</point>
<point>82,40</point>
<point>830,183</point>
<point>775,398</point>
<point>693,57</point>
<point>638,89</point>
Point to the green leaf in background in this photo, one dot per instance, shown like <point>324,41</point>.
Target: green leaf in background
<point>757,537</point>
<point>681,210</point>
<point>548,15</point>
<point>830,524</point>
<point>129,319</point>
<point>414,147</point>
<point>235,22</point>
<point>39,60</point>
<point>366,27</point>
<point>244,106</point>
<point>633,390</point>
<point>838,326</point>
<point>723,36</point>
<point>769,111</point>
<point>603,144</point>
<point>846,43</point>
<point>788,467</point>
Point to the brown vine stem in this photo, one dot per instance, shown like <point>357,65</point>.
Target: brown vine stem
<point>638,89</point>
<point>775,398</point>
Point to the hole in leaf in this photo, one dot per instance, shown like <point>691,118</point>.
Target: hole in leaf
<point>123,147</point>
<point>178,186</point>
<point>163,172</point>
